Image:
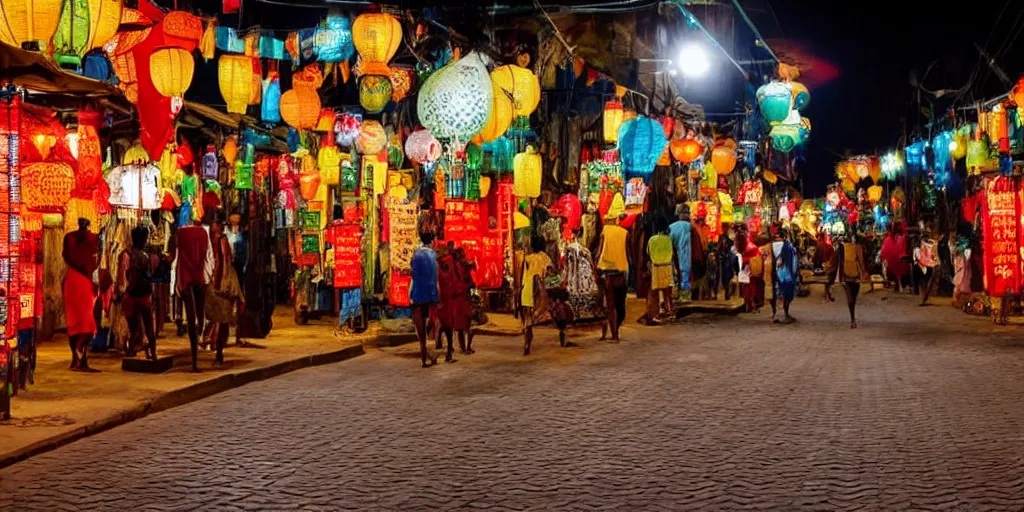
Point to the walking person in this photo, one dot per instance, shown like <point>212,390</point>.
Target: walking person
<point>926,259</point>
<point>680,233</point>
<point>135,282</point>
<point>224,293</point>
<point>659,250</point>
<point>536,267</point>
<point>191,245</point>
<point>423,294</point>
<point>850,269</point>
<point>785,269</point>
<point>894,255</point>
<point>613,267</point>
<point>81,254</point>
<point>455,309</point>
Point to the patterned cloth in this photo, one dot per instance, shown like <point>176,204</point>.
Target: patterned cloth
<point>580,283</point>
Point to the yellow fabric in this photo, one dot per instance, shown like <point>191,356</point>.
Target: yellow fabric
<point>660,249</point>
<point>535,265</point>
<point>613,250</point>
<point>851,261</point>
<point>757,265</point>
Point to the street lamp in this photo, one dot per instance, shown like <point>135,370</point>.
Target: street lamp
<point>693,60</point>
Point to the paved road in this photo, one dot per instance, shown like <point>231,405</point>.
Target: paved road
<point>920,408</point>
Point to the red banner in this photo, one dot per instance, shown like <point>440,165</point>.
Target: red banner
<point>348,258</point>
<point>1000,216</point>
<point>461,220</point>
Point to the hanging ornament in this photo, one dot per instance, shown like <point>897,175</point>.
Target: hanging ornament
<point>521,84</point>
<point>374,93</point>
<point>455,102</point>
<point>372,138</point>
<point>421,146</point>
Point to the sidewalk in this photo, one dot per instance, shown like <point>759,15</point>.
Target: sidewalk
<point>63,406</point>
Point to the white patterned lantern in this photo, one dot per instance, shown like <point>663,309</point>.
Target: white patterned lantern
<point>455,101</point>
<point>421,147</point>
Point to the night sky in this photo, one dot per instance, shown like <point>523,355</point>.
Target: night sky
<point>876,45</point>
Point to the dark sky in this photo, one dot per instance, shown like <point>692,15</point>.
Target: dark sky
<point>876,44</point>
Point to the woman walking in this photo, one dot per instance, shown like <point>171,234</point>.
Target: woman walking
<point>536,266</point>
<point>613,266</point>
<point>848,262</point>
<point>223,293</point>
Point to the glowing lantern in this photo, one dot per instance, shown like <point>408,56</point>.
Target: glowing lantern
<point>485,186</point>
<point>612,120</point>
<point>686,150</point>
<point>455,101</point>
<point>421,146</point>
<point>328,160</point>
<point>526,177</point>
<point>230,150</point>
<point>875,193</point>
<point>234,76</point>
<point>875,169</point>
<point>892,165</point>
<point>641,142</point>
<point>333,39</point>
<point>372,138</point>
<point>171,70</point>
<point>375,93</point>
<point>401,83</point>
<point>915,157</point>
<point>256,89</point>
<point>22,21</point>
<point>521,84</point>
<point>500,118</point>
<point>376,37</point>
<point>723,157</point>
<point>785,137</point>
<point>977,156</point>
<point>1017,94</point>
<point>46,186</point>
<point>849,185</point>
<point>958,146</point>
<point>863,168</point>
<point>300,107</point>
<point>775,100</point>
<point>801,96</point>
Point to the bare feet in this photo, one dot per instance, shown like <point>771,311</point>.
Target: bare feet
<point>853,325</point>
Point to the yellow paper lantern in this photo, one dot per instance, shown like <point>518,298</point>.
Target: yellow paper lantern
<point>874,193</point>
<point>612,120</point>
<point>849,185</point>
<point>375,92</point>
<point>485,186</point>
<point>29,20</point>
<point>770,177</point>
<point>300,107</point>
<point>171,70</point>
<point>500,119</point>
<point>376,37</point>
<point>234,75</point>
<point>522,84</point>
<point>104,18</point>
<point>526,173</point>
<point>328,160</point>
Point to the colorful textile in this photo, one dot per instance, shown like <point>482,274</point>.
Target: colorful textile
<point>580,283</point>
<point>613,250</point>
<point>78,303</point>
<point>892,253</point>
<point>659,247</point>
<point>351,305</point>
<point>679,233</point>
<point>536,265</point>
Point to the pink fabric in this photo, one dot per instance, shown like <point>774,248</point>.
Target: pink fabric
<point>893,250</point>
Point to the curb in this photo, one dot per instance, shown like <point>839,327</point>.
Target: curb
<point>182,396</point>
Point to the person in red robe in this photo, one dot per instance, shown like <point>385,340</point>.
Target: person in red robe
<point>190,245</point>
<point>81,254</point>
<point>455,310</point>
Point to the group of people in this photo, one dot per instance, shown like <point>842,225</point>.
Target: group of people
<point>207,284</point>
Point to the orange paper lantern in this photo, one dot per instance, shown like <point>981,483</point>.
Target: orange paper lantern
<point>723,157</point>
<point>376,37</point>
<point>46,186</point>
<point>500,119</point>
<point>300,107</point>
<point>686,150</point>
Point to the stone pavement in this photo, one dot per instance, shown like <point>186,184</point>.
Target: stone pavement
<point>64,405</point>
<point>919,409</point>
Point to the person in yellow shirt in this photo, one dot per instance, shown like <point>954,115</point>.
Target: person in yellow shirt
<point>613,267</point>
<point>659,249</point>
<point>536,266</point>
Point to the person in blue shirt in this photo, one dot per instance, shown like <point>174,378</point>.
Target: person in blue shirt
<point>423,294</point>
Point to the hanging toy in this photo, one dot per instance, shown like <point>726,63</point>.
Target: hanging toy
<point>210,167</point>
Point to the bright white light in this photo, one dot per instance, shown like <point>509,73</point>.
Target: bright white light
<point>693,60</point>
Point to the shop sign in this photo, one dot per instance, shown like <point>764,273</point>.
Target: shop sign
<point>1001,221</point>
<point>348,261</point>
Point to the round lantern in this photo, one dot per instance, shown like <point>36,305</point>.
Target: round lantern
<point>372,138</point>
<point>801,96</point>
<point>785,137</point>
<point>977,156</point>
<point>401,83</point>
<point>958,146</point>
<point>526,173</point>
<point>849,185</point>
<point>641,142</point>
<point>374,93</point>
<point>376,37</point>
<point>485,186</point>
<point>612,118</point>
<point>521,84</point>
<point>332,40</point>
<point>421,146</point>
<point>455,102</point>
<point>23,21</point>
<point>500,118</point>
<point>234,76</point>
<point>875,193</point>
<point>686,150</point>
<point>300,107</point>
<point>171,70</point>
<point>775,100</point>
<point>46,186</point>
<point>347,128</point>
<point>863,168</point>
<point>723,157</point>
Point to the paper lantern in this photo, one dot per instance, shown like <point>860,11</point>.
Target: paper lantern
<point>724,159</point>
<point>256,89</point>
<point>234,76</point>
<point>300,107</point>
<point>527,172</point>
<point>328,160</point>
<point>455,102</point>
<point>612,118</point>
<point>372,138</point>
<point>421,146</point>
<point>801,96</point>
<point>891,165</point>
<point>376,37</point>
<point>171,70</point>
<point>641,142</point>
<point>46,186</point>
<point>958,146</point>
<point>71,40</point>
<point>977,156</point>
<point>874,193</point>
<point>401,83</point>
<point>332,39</point>
<point>309,182</point>
<point>375,93</point>
<point>270,111</point>
<point>875,169</point>
<point>775,100</point>
<point>686,150</point>
<point>325,121</point>
<point>500,119</point>
<point>849,185</point>
<point>230,150</point>
<point>785,137</point>
<point>669,125</point>
<point>485,186</point>
<point>22,21</point>
<point>943,158</point>
<point>521,84</point>
<point>665,159</point>
<point>915,157</point>
<point>863,168</point>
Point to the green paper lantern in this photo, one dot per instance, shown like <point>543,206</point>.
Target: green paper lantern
<point>72,37</point>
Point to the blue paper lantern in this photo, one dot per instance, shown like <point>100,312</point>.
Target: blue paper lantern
<point>940,150</point>
<point>97,67</point>
<point>333,39</point>
<point>749,148</point>
<point>775,100</point>
<point>271,106</point>
<point>641,142</point>
<point>915,157</point>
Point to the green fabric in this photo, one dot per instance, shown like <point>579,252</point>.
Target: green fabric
<point>660,249</point>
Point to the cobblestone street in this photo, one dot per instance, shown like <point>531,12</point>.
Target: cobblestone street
<point>918,409</point>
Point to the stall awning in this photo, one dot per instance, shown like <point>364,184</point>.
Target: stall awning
<point>33,71</point>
